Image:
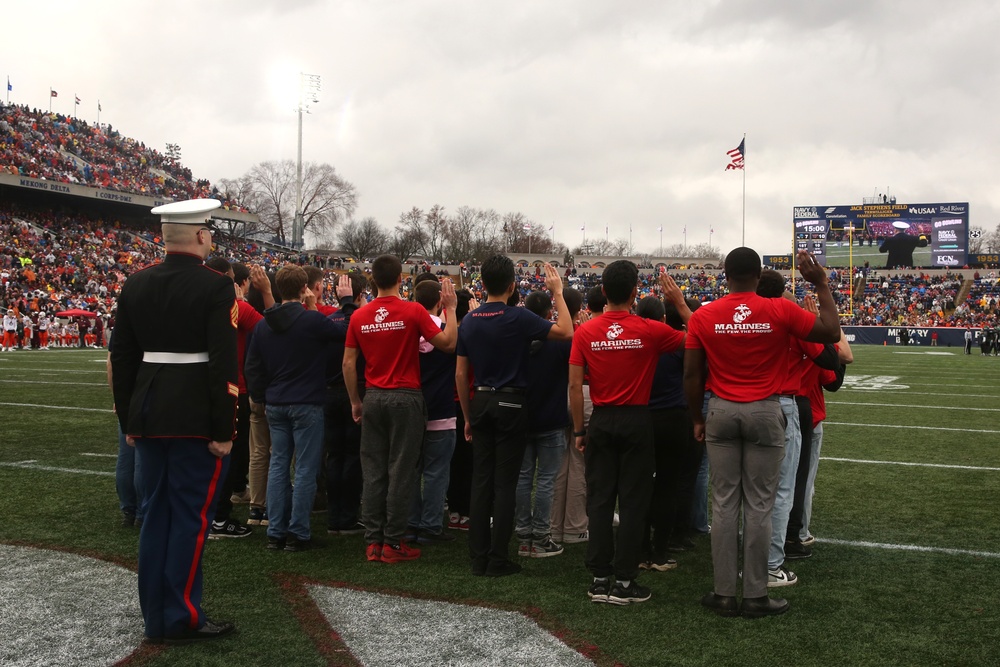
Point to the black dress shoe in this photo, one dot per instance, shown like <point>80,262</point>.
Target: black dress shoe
<point>211,630</point>
<point>797,551</point>
<point>294,544</point>
<point>765,606</point>
<point>723,605</point>
<point>503,569</point>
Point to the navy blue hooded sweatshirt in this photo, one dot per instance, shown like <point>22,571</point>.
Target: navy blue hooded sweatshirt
<point>287,354</point>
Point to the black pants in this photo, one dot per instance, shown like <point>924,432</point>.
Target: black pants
<point>342,442</point>
<point>678,456</point>
<point>239,460</point>
<point>620,467</point>
<point>499,433</point>
<point>460,481</point>
<point>802,473</point>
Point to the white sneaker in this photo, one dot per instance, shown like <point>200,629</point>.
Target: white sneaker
<point>809,541</point>
<point>578,538</point>
<point>781,577</point>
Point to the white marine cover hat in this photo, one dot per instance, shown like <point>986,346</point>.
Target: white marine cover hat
<point>187,212</point>
<point>899,224</point>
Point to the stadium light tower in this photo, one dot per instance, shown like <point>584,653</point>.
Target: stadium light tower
<point>309,87</point>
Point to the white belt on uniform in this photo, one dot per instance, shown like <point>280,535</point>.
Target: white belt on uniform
<point>175,357</point>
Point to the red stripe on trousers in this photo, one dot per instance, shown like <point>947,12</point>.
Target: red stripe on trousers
<point>196,559</point>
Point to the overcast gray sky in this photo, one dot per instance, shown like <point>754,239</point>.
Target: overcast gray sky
<point>573,112</point>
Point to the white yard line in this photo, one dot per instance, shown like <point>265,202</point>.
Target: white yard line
<point>51,371</point>
<point>910,547</point>
<point>915,393</point>
<point>907,463</point>
<point>75,384</point>
<point>33,465</point>
<point>918,407</point>
<point>110,456</point>
<point>910,426</point>
<point>56,407</point>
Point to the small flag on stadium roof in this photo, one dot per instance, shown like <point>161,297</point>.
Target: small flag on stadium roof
<point>9,87</point>
<point>527,228</point>
<point>736,156</point>
<point>77,98</point>
<point>98,105</point>
<point>53,93</point>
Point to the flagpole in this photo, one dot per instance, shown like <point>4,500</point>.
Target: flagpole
<point>98,113</point>
<point>50,99</point>
<point>744,190</point>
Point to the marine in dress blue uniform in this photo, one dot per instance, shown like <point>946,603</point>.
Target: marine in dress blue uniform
<point>175,388</point>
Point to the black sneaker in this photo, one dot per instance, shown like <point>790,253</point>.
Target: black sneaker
<point>128,520</point>
<point>797,551</point>
<point>427,537</point>
<point>357,528</point>
<point>294,544</point>
<point>227,528</point>
<point>599,590</point>
<point>258,517</point>
<point>622,595</point>
<point>275,543</point>
<point>504,569</point>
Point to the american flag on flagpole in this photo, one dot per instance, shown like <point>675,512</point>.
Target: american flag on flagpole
<point>736,156</point>
<point>77,98</point>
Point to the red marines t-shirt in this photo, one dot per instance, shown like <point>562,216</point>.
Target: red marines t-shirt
<point>812,385</point>
<point>800,356</point>
<point>388,331</point>
<point>746,341</point>
<point>246,319</point>
<point>620,351</point>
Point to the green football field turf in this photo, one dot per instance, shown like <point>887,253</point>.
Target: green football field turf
<point>842,256</point>
<point>905,571</point>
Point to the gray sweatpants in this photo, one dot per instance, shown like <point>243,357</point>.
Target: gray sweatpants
<point>392,430</point>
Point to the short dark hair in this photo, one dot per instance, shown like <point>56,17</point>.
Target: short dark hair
<point>427,293</point>
<point>386,270</point>
<point>426,275</point>
<point>220,264</point>
<point>256,299</point>
<point>291,279</point>
<point>313,273</point>
<point>742,263</point>
<point>462,309</point>
<point>497,274</point>
<point>771,284</point>
<point>359,283</point>
<point>651,308</point>
<point>596,301</point>
<point>240,272</point>
<point>620,279</point>
<point>673,317</point>
<point>574,301</point>
<point>539,303</point>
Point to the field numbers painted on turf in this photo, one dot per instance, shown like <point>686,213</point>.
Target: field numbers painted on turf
<point>873,382</point>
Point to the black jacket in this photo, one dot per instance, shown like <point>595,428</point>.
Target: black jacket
<point>182,306</point>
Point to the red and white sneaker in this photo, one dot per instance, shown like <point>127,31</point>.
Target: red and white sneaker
<point>374,553</point>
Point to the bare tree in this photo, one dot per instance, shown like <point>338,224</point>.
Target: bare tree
<point>363,239</point>
<point>991,240</point>
<point>404,243</point>
<point>473,234</point>
<point>622,248</point>
<point>237,194</point>
<point>977,239</point>
<point>268,190</point>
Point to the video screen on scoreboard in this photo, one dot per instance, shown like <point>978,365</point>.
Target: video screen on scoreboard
<point>885,235</point>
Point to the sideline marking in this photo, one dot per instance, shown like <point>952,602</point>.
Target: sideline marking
<point>75,384</point>
<point>921,428</point>
<point>33,465</point>
<point>899,463</point>
<point>56,407</point>
<point>923,393</point>
<point>939,354</point>
<point>110,456</point>
<point>920,407</point>
<point>51,371</point>
<point>910,547</point>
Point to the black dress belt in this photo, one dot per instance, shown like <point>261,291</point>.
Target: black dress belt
<point>502,390</point>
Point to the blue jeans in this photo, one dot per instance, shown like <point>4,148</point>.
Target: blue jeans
<point>699,508</point>
<point>785,494</point>
<point>427,509</point>
<point>298,430</point>
<point>548,449</point>
<point>128,479</point>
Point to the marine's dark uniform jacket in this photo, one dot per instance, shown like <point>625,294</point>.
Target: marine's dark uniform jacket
<point>179,306</point>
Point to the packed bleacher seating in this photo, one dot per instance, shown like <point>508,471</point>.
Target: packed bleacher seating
<point>54,147</point>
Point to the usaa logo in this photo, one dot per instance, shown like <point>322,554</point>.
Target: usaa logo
<point>922,211</point>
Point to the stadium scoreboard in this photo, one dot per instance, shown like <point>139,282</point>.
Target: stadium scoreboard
<point>946,227</point>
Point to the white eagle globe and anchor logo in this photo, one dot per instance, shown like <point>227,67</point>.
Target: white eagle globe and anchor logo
<point>381,314</point>
<point>742,313</point>
<point>614,331</point>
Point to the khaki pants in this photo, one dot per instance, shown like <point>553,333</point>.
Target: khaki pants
<point>260,455</point>
<point>569,502</point>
